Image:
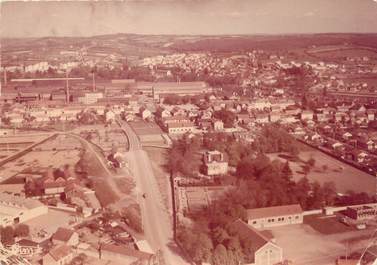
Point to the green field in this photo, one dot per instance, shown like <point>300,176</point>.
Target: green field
<point>327,168</point>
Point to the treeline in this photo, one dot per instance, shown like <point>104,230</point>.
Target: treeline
<point>179,100</point>
<point>184,155</point>
<point>272,139</point>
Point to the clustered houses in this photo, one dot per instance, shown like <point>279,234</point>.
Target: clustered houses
<point>345,131</point>
<point>21,116</point>
<point>62,186</point>
<point>180,119</point>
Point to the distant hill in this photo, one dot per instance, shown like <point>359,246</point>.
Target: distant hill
<point>274,42</point>
<point>146,45</point>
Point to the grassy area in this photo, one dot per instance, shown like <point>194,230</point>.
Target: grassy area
<point>91,166</point>
<point>125,184</point>
<point>326,225</point>
<point>327,168</point>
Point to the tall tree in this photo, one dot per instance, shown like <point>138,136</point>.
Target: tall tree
<point>220,255</point>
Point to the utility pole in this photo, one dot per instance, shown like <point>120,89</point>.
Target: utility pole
<point>5,77</point>
<point>67,86</point>
<point>93,82</point>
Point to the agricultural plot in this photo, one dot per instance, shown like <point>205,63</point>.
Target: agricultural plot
<point>56,153</point>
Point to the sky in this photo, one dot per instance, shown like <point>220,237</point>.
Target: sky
<point>194,17</point>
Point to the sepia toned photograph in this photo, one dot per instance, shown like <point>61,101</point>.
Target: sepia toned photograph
<point>188,132</point>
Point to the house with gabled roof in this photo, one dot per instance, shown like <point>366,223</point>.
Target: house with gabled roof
<point>59,255</point>
<point>65,236</point>
<point>263,251</point>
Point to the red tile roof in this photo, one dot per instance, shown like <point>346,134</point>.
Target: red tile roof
<point>62,234</point>
<point>274,211</point>
<point>59,252</point>
<point>246,232</point>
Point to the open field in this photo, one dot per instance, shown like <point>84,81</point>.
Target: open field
<point>107,138</point>
<point>327,168</point>
<point>55,153</point>
<point>126,184</point>
<point>305,246</point>
<point>339,52</point>
<point>10,145</point>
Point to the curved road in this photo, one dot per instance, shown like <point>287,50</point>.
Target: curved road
<point>157,222</point>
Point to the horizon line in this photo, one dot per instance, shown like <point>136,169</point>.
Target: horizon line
<point>197,35</point>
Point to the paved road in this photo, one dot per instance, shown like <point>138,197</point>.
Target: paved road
<point>157,222</point>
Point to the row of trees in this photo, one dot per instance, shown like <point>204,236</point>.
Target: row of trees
<point>9,233</point>
<point>183,157</point>
<point>178,100</point>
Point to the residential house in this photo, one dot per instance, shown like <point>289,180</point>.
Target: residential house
<point>145,113</point>
<point>110,116</point>
<point>347,136</point>
<point>275,116</point>
<point>214,163</point>
<point>287,118</point>
<point>178,112</point>
<point>366,144</point>
<point>218,126</point>
<point>204,124</point>
<point>59,255</point>
<point>165,113</point>
<point>338,147</point>
<point>341,117</point>
<point>307,115</point>
<point>206,115</point>
<point>371,115</point>
<point>243,118</point>
<point>65,236</point>
<point>323,117</point>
